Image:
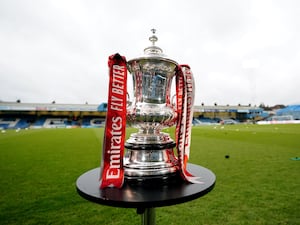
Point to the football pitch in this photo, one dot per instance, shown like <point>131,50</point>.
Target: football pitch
<point>257,169</point>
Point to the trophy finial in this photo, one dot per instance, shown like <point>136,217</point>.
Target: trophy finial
<point>153,50</point>
<point>153,38</point>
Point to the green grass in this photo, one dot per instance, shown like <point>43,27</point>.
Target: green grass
<point>258,184</point>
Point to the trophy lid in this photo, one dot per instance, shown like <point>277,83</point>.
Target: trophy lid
<point>153,52</point>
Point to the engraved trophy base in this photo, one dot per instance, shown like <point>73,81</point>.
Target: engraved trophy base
<point>150,164</point>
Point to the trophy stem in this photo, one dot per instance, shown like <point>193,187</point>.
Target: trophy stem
<point>150,159</point>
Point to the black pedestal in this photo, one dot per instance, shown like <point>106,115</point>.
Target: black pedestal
<point>145,198</point>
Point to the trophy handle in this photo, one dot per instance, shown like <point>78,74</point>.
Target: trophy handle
<point>128,102</point>
<point>173,101</point>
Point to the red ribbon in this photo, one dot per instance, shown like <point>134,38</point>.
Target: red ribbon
<point>112,172</point>
<point>185,94</point>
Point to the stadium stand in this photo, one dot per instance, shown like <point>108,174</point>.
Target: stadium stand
<point>287,115</point>
<point>50,122</point>
<point>292,110</point>
<point>39,122</point>
<point>92,122</point>
<point>55,123</point>
<point>22,124</point>
<point>14,115</point>
<point>239,113</point>
<point>14,123</point>
<point>5,123</point>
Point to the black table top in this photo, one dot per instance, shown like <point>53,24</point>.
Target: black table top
<point>145,197</point>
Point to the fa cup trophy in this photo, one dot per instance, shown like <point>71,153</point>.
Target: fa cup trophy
<point>149,155</point>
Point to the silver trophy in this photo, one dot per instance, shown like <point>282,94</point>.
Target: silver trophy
<point>149,152</point>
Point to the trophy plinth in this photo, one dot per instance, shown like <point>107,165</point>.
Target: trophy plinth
<point>149,152</point>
